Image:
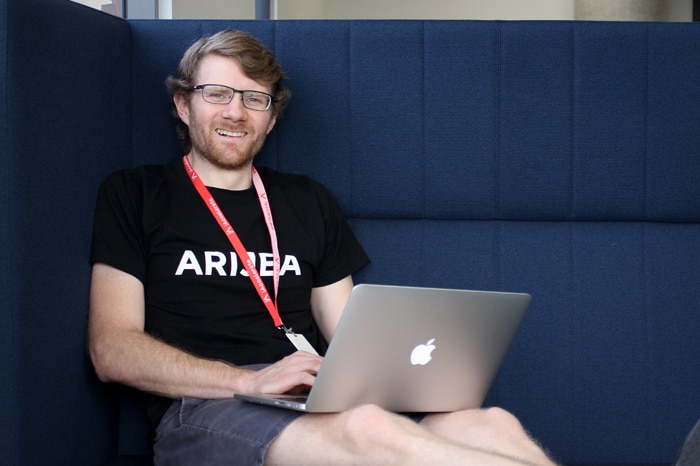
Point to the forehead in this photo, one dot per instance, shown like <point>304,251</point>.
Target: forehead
<point>217,69</point>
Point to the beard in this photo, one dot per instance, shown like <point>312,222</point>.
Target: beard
<point>214,147</point>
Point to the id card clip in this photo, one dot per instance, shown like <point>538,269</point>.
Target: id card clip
<point>299,341</point>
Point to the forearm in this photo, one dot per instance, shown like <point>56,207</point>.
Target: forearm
<point>134,358</point>
<point>123,352</point>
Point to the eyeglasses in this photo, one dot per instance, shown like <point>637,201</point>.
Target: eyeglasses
<point>222,95</point>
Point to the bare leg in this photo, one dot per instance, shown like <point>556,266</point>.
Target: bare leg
<point>368,436</point>
<point>492,429</point>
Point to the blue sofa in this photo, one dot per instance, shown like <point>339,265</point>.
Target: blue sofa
<point>556,158</point>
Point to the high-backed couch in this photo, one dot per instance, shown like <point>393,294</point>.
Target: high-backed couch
<point>556,158</point>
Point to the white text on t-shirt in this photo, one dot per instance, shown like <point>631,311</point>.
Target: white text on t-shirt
<point>224,264</point>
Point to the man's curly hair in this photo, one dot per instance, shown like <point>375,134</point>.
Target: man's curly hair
<point>256,60</point>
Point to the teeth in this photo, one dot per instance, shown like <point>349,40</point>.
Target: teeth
<point>232,134</point>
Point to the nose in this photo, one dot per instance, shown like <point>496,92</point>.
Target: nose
<point>235,109</point>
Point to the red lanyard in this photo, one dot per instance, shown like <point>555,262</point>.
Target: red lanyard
<point>235,241</point>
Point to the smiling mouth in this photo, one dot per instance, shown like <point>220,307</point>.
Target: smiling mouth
<point>230,134</point>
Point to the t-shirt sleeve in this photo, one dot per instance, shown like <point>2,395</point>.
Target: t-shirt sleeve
<point>343,255</point>
<point>118,238</point>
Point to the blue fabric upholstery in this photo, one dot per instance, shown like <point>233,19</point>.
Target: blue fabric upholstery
<point>64,119</point>
<point>556,158</point>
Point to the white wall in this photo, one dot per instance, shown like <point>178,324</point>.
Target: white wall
<point>664,10</point>
<point>641,10</point>
<point>634,10</point>
<point>428,9</point>
<point>213,9</point>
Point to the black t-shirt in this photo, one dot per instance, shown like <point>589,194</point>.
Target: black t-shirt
<point>151,223</point>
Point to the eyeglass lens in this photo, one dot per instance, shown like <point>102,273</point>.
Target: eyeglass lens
<point>222,95</point>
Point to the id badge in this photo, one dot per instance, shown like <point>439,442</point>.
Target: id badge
<point>300,342</point>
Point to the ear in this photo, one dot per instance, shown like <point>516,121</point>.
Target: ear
<point>271,124</point>
<point>182,107</point>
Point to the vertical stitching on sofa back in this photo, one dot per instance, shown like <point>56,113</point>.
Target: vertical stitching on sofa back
<point>424,125</point>
<point>644,264</point>
<point>499,86</point>
<point>572,372</point>
<point>425,215</point>
<point>350,101</point>
<point>499,97</point>
<point>572,129</point>
<point>645,168</point>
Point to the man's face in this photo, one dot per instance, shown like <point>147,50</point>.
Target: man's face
<point>227,136</point>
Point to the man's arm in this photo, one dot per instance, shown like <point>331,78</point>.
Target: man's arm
<point>122,352</point>
<point>327,304</point>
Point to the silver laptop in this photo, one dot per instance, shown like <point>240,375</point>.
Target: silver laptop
<point>411,349</point>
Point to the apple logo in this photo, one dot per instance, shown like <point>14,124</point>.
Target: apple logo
<point>421,353</point>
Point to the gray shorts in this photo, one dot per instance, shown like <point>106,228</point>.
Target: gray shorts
<point>224,431</point>
<point>213,432</point>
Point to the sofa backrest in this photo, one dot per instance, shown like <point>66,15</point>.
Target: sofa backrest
<point>64,119</point>
<point>556,158</point>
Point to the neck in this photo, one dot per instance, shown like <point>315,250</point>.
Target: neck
<point>213,176</point>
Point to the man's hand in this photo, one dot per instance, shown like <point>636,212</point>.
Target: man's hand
<point>295,373</point>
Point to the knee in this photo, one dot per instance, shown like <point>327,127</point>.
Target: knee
<point>369,427</point>
<point>501,420</point>
<point>474,423</point>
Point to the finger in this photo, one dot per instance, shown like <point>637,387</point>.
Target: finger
<point>294,370</point>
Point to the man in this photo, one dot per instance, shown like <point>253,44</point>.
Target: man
<point>194,281</point>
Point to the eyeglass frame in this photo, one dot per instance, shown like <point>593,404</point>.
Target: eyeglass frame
<point>202,86</point>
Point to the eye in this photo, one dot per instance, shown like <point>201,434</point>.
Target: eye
<point>218,94</point>
<point>255,98</point>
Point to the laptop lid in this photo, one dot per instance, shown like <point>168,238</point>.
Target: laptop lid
<point>411,349</point>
